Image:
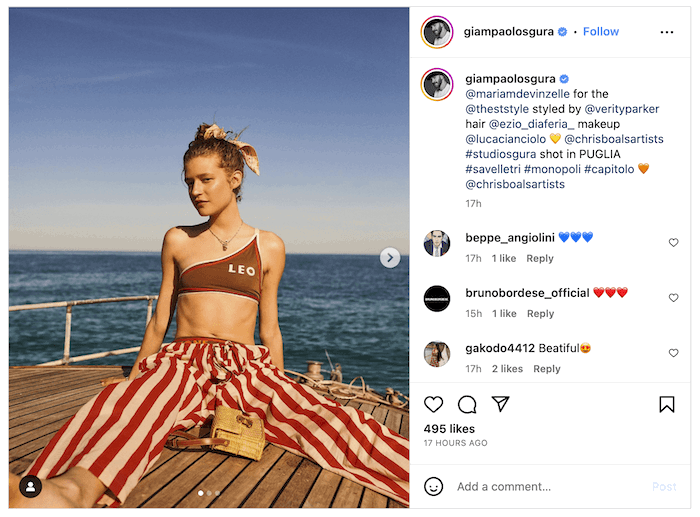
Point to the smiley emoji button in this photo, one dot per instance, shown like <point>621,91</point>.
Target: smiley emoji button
<point>433,486</point>
<point>585,348</point>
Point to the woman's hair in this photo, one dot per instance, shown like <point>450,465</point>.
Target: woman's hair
<point>231,158</point>
<point>440,348</point>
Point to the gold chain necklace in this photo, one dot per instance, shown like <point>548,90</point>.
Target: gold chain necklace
<point>224,244</point>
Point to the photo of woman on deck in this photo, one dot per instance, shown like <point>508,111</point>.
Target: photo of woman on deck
<point>114,439</point>
<point>222,277</point>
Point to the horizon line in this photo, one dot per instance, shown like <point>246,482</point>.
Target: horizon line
<point>158,252</point>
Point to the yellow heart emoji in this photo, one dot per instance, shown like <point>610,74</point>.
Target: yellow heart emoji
<point>555,138</point>
<point>643,167</point>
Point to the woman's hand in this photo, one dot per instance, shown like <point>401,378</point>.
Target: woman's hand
<point>112,380</point>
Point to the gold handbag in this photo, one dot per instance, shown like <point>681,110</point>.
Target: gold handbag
<point>232,431</point>
<point>245,433</point>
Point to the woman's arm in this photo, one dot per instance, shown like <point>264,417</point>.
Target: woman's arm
<point>167,299</point>
<point>273,257</point>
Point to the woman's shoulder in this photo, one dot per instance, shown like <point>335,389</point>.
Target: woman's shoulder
<point>178,236</point>
<point>271,245</point>
<point>271,241</point>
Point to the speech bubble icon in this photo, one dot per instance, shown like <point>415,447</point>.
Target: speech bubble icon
<point>467,404</point>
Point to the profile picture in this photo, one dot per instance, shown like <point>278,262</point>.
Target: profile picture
<point>436,354</point>
<point>436,32</point>
<point>436,298</point>
<point>437,84</point>
<point>436,243</point>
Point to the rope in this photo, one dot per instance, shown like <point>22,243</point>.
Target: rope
<point>350,392</point>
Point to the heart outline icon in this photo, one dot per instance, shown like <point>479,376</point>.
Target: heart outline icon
<point>673,297</point>
<point>643,167</point>
<point>610,291</point>
<point>622,291</point>
<point>598,291</point>
<point>563,236</point>
<point>587,236</point>
<point>575,236</point>
<point>673,242</point>
<point>433,401</point>
<point>673,352</point>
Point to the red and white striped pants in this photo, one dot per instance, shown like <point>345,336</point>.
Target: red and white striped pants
<point>121,432</point>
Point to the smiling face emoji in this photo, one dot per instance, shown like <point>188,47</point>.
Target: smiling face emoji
<point>433,486</point>
<point>585,348</point>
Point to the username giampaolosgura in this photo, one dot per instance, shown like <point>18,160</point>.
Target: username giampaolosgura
<point>509,79</point>
<point>513,31</point>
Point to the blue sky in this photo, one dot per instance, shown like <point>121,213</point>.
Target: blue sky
<point>103,103</point>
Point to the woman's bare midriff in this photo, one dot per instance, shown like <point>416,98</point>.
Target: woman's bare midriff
<point>216,315</point>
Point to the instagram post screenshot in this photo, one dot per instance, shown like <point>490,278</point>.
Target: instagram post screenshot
<point>358,257</point>
<point>199,316</point>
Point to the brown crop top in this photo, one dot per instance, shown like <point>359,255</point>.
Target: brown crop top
<point>238,274</point>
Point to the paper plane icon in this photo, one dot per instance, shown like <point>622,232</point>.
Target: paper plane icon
<point>501,401</point>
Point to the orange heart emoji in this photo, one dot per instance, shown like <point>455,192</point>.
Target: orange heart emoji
<point>643,167</point>
<point>555,138</point>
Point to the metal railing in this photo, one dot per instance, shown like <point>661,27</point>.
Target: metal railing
<point>69,316</point>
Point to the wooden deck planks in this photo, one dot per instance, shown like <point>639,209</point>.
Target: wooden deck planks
<point>31,442</point>
<point>36,434</point>
<point>43,420</point>
<point>43,399</point>
<point>380,413</point>
<point>299,486</point>
<point>272,484</point>
<point>186,481</point>
<point>393,421</point>
<point>372,499</point>
<point>20,392</point>
<point>323,492</point>
<point>48,376</point>
<point>234,494</point>
<point>50,401</point>
<point>53,386</point>
<point>403,430</point>
<point>348,495</point>
<point>159,479</point>
<point>214,482</point>
<point>18,466</point>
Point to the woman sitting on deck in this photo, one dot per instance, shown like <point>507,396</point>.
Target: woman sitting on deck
<point>218,286</point>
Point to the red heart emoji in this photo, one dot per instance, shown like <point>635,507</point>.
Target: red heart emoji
<point>622,291</point>
<point>610,291</point>
<point>598,291</point>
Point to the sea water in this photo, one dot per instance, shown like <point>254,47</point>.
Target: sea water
<point>348,305</point>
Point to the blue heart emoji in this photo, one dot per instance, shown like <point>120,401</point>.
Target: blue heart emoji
<point>575,236</point>
<point>563,236</point>
<point>587,236</point>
